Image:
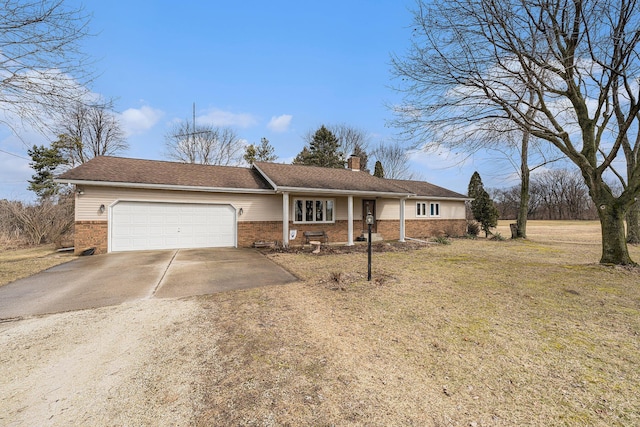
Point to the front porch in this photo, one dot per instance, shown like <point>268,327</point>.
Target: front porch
<point>353,222</point>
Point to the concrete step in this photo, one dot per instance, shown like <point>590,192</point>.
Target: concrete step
<point>375,237</point>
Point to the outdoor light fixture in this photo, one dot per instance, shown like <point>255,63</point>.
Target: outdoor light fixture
<point>102,208</point>
<point>241,211</point>
<point>80,192</point>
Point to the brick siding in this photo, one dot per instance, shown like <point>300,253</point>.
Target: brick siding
<point>423,228</point>
<point>91,234</point>
<point>271,231</point>
<point>94,234</point>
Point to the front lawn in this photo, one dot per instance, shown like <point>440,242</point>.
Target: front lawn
<point>475,333</point>
<point>19,263</point>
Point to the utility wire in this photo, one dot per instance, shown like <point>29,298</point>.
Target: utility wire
<point>14,155</point>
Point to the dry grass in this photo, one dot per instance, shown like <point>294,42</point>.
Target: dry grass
<point>18,263</point>
<point>476,333</point>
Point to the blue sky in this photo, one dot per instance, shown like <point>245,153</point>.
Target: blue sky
<point>272,69</point>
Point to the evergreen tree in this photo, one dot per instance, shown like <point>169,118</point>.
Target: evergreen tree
<point>378,171</point>
<point>475,185</point>
<point>261,153</point>
<point>482,207</point>
<point>303,157</point>
<point>322,151</point>
<point>45,161</point>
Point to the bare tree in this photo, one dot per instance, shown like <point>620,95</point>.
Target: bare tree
<point>476,62</point>
<point>394,159</point>
<point>563,194</point>
<point>554,194</point>
<point>41,66</point>
<point>353,141</point>
<point>204,144</point>
<point>88,131</point>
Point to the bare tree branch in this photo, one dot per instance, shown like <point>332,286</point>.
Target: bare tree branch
<point>42,68</point>
<point>87,131</point>
<point>395,160</point>
<point>205,144</point>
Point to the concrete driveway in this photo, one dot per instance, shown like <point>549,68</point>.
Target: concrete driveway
<point>103,280</point>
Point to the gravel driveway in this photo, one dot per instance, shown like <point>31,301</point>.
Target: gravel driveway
<point>78,368</point>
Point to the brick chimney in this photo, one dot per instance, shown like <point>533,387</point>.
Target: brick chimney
<point>353,163</point>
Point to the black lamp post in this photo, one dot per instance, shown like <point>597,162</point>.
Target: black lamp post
<point>369,224</point>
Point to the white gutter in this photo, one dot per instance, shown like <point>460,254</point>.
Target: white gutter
<point>455,199</point>
<point>164,186</point>
<point>306,190</point>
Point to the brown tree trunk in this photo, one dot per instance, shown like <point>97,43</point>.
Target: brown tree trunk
<point>614,242</point>
<point>523,209</point>
<point>633,224</point>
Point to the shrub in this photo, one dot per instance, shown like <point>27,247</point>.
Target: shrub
<point>443,240</point>
<point>473,228</point>
<point>336,276</point>
<point>37,223</point>
<point>498,237</point>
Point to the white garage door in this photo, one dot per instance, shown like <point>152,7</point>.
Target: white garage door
<point>146,225</point>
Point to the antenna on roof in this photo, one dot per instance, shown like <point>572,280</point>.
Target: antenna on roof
<point>193,133</point>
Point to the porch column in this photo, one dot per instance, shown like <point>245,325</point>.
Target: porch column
<point>350,221</point>
<point>285,219</point>
<point>402,219</point>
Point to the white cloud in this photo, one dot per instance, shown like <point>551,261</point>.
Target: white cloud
<point>280,123</point>
<point>227,118</point>
<point>138,120</point>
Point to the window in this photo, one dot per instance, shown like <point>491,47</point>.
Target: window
<point>313,210</point>
<point>421,210</point>
<point>434,209</point>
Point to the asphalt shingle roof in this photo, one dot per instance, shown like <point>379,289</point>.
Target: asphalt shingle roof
<point>137,171</point>
<point>123,170</point>
<point>313,177</point>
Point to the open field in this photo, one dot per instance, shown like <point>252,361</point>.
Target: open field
<point>475,333</point>
<point>18,263</point>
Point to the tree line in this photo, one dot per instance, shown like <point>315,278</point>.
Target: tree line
<point>555,194</point>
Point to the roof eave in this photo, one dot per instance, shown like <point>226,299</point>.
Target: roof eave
<point>164,186</point>
<point>453,199</point>
<point>329,191</point>
<point>266,177</point>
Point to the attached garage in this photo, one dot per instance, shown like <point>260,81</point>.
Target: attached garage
<point>153,225</point>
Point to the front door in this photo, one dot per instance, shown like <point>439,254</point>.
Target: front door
<point>369,206</point>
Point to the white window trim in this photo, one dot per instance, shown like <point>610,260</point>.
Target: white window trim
<point>437,208</point>
<point>314,200</point>
<point>424,209</point>
<point>421,210</point>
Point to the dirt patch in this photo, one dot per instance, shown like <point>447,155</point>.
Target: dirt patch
<point>136,363</point>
